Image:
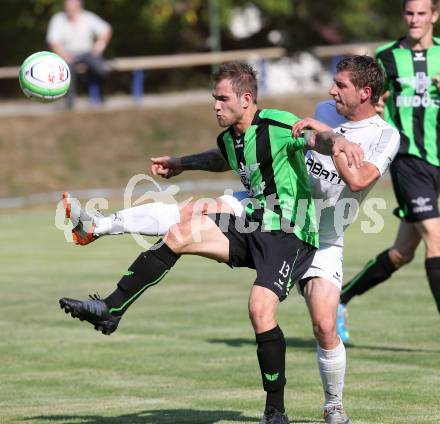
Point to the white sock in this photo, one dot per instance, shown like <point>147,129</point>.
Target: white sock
<point>331,364</point>
<point>151,219</point>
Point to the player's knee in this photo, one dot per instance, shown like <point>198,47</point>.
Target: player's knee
<point>256,312</point>
<point>176,238</point>
<point>260,316</point>
<point>400,258</point>
<point>187,211</point>
<point>324,329</point>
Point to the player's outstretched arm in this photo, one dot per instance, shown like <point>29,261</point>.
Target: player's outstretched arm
<point>167,167</point>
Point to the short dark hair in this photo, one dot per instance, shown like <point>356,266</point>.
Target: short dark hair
<point>243,78</point>
<point>364,72</point>
<point>434,4</point>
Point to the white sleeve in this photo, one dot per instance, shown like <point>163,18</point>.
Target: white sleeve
<point>382,153</point>
<point>54,30</point>
<point>98,25</point>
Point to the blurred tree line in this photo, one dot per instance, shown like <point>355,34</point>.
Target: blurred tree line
<point>143,27</point>
<point>149,27</point>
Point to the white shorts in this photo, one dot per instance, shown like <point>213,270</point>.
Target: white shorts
<point>327,264</point>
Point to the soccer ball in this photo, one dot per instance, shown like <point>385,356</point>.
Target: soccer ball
<point>45,77</point>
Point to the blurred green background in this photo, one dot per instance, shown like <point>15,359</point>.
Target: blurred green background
<point>152,27</point>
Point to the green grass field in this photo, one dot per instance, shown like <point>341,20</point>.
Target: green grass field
<point>185,353</point>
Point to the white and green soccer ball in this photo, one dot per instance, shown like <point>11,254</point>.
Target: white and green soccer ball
<point>45,77</point>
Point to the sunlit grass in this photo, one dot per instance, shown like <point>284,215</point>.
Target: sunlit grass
<point>185,352</point>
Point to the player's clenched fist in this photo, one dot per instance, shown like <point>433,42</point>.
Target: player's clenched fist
<point>166,166</point>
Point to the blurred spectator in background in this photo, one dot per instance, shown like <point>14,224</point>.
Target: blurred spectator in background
<point>80,37</point>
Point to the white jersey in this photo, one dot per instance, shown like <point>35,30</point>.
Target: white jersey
<point>380,143</point>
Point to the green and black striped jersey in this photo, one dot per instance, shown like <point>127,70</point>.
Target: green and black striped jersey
<point>271,166</point>
<point>413,106</point>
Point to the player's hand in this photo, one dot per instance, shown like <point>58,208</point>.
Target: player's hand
<point>353,152</point>
<point>309,124</point>
<point>166,166</point>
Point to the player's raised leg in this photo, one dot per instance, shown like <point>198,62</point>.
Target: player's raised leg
<point>81,219</point>
<point>151,219</point>
<point>199,236</point>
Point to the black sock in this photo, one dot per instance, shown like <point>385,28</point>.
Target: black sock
<point>146,271</point>
<point>375,271</point>
<point>271,352</point>
<point>432,266</point>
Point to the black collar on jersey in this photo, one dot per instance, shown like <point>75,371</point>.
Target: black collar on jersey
<point>256,118</point>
